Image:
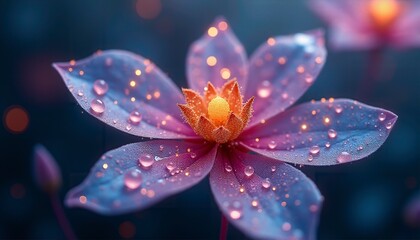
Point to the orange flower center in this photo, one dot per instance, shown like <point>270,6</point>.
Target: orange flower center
<point>384,12</point>
<point>219,115</point>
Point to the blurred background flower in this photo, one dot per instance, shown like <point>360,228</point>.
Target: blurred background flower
<point>35,33</point>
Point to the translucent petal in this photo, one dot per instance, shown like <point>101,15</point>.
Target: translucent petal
<point>406,30</point>
<point>322,133</point>
<point>138,175</point>
<point>281,70</point>
<point>113,85</point>
<point>216,57</point>
<point>279,204</point>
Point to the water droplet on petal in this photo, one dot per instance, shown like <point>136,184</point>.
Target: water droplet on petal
<point>193,155</point>
<point>389,125</point>
<point>135,117</point>
<point>97,106</point>
<point>146,160</point>
<point>128,127</point>
<point>100,87</point>
<point>382,117</point>
<point>344,157</point>
<point>228,167</point>
<point>235,210</point>
<point>273,168</point>
<point>314,149</point>
<point>310,158</point>
<point>249,170</point>
<point>327,145</point>
<point>265,89</point>
<point>266,183</point>
<point>133,179</point>
<point>80,93</point>
<point>170,166</point>
<point>338,109</point>
<point>332,133</point>
<point>254,203</point>
<point>272,144</point>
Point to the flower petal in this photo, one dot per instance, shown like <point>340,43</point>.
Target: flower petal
<point>322,133</point>
<point>276,201</point>
<point>281,70</point>
<point>216,57</point>
<point>406,30</point>
<point>138,175</point>
<point>132,84</point>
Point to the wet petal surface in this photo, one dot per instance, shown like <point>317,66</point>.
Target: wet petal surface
<point>281,71</point>
<point>127,92</point>
<point>265,198</point>
<point>216,57</point>
<point>327,132</point>
<point>138,175</point>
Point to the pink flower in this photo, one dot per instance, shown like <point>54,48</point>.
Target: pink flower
<point>370,24</point>
<point>245,157</point>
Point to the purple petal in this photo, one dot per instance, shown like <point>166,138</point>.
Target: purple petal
<point>345,38</point>
<point>322,133</point>
<point>138,175</point>
<point>276,201</point>
<point>281,70</point>
<point>134,95</point>
<point>406,30</point>
<point>216,57</point>
<point>47,172</point>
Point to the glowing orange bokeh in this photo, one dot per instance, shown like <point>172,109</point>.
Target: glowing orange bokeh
<point>384,12</point>
<point>16,119</point>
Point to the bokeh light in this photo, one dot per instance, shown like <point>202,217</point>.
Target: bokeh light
<point>16,119</point>
<point>127,229</point>
<point>148,9</point>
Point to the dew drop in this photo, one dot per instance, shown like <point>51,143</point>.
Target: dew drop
<point>161,148</point>
<point>146,160</point>
<point>310,158</point>
<point>332,133</point>
<point>135,117</point>
<point>389,125</point>
<point>228,167</point>
<point>265,89</point>
<point>249,170</point>
<point>344,157</point>
<point>266,183</point>
<point>133,179</point>
<point>254,203</point>
<point>170,166</point>
<point>314,149</point>
<point>128,127</point>
<point>80,93</point>
<point>97,106</point>
<point>338,109</point>
<point>382,117</point>
<point>360,148</point>
<point>272,144</point>
<point>273,168</point>
<point>327,145</point>
<point>100,87</point>
<point>193,155</point>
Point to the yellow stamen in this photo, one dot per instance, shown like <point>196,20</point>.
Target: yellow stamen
<point>384,12</point>
<point>218,110</point>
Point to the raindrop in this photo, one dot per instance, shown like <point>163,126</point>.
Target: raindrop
<point>265,89</point>
<point>310,158</point>
<point>266,183</point>
<point>382,117</point>
<point>273,168</point>
<point>327,145</point>
<point>128,127</point>
<point>146,160</point>
<point>272,144</point>
<point>249,170</point>
<point>389,125</point>
<point>161,148</point>
<point>170,166</point>
<point>338,109</point>
<point>360,148</point>
<point>332,133</point>
<point>80,93</point>
<point>133,179</point>
<point>97,106</point>
<point>344,157</point>
<point>100,87</point>
<point>228,168</point>
<point>193,155</point>
<point>135,117</point>
<point>314,149</point>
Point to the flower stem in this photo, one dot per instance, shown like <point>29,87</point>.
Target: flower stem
<point>223,228</point>
<point>61,216</point>
<point>372,74</point>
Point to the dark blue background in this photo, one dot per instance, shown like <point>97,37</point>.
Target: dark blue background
<point>365,199</point>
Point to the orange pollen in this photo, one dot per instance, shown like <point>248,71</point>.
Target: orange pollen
<point>219,115</point>
<point>384,12</point>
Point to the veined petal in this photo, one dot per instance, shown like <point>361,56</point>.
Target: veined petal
<point>138,175</point>
<point>322,133</point>
<point>281,70</point>
<point>134,96</point>
<point>265,198</point>
<point>216,57</point>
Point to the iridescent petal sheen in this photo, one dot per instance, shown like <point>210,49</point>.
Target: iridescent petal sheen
<point>138,175</point>
<point>276,201</point>
<point>281,70</point>
<point>216,57</point>
<point>130,85</point>
<point>322,133</point>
